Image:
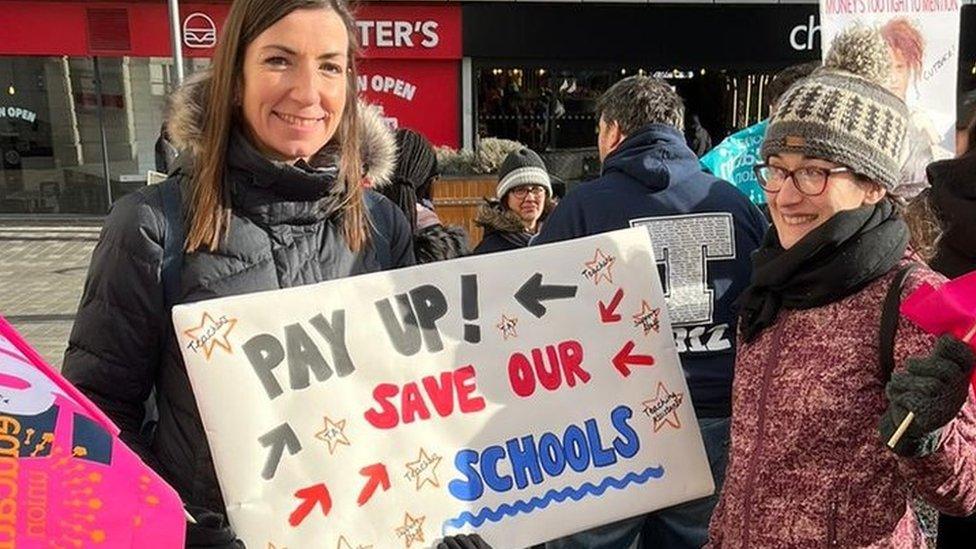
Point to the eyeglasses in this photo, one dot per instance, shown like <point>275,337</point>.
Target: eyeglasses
<point>521,192</point>
<point>809,180</point>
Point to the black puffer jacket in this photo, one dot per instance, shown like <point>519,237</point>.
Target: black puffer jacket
<point>503,228</point>
<point>284,232</point>
<point>439,243</point>
<point>953,197</point>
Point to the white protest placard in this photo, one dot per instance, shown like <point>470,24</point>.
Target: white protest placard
<point>524,395</point>
<point>923,40</point>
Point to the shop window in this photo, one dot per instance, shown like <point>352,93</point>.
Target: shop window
<point>49,137</point>
<point>77,133</point>
<point>553,110</point>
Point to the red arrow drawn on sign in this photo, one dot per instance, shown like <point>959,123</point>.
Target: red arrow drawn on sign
<point>608,313</point>
<point>377,476</point>
<point>624,359</point>
<point>311,496</point>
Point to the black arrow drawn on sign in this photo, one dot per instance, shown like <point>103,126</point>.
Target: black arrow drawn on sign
<point>533,293</point>
<point>278,439</point>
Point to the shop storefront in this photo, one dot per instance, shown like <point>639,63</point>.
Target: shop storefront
<point>83,83</point>
<point>82,94</point>
<point>538,68</point>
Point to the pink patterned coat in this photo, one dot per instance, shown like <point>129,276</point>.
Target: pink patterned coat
<point>807,466</point>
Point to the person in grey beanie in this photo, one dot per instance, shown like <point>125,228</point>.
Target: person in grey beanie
<point>826,367</point>
<point>523,202</point>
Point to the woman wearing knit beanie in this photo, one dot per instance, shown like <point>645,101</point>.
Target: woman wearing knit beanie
<point>523,201</point>
<point>824,375</point>
<point>410,188</point>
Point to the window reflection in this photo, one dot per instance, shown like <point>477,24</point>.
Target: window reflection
<point>77,133</point>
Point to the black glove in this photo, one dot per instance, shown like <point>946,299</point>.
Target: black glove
<point>470,541</point>
<point>211,531</point>
<point>934,389</point>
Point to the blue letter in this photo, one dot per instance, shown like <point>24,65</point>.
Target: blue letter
<point>577,453</point>
<point>551,454</point>
<point>524,458</point>
<point>489,469</point>
<point>601,456</point>
<point>470,489</point>
<point>630,444</point>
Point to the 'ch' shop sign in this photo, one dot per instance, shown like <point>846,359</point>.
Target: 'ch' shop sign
<point>524,396</point>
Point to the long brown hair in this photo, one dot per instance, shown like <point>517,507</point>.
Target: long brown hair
<point>210,207</point>
<point>924,225</point>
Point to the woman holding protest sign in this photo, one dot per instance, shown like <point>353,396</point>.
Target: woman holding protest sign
<point>822,380</point>
<point>258,216</point>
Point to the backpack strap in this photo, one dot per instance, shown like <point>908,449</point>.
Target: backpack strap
<point>889,319</point>
<point>174,237</point>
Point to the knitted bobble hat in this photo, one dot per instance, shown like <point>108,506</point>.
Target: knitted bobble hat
<point>844,114</point>
<point>522,167</point>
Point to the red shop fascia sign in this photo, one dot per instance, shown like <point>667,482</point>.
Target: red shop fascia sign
<point>410,62</point>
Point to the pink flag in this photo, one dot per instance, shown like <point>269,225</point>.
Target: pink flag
<point>66,480</point>
<point>949,309</point>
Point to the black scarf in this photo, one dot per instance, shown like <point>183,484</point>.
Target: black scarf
<point>831,262</point>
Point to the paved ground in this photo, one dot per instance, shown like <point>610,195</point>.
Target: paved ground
<point>42,272</point>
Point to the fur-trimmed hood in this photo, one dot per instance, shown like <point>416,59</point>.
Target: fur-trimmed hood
<point>494,217</point>
<point>184,128</point>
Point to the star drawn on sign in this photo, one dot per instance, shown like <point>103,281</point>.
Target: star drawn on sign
<point>412,530</point>
<point>333,434</point>
<point>600,267</point>
<point>210,334</point>
<point>507,326</point>
<point>424,469</point>
<point>648,318</point>
<point>663,408</point>
<point>344,544</point>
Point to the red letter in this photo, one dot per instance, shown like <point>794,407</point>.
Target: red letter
<point>441,396</point>
<point>550,378</point>
<point>387,418</point>
<point>464,390</point>
<point>413,403</point>
<point>571,356</point>
<point>520,375</point>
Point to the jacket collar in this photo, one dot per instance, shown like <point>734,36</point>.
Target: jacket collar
<point>954,197</point>
<point>271,192</point>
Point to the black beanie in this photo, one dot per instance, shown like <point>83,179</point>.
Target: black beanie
<point>416,166</point>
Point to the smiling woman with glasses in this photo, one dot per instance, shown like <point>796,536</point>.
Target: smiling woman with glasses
<point>524,200</point>
<point>825,369</point>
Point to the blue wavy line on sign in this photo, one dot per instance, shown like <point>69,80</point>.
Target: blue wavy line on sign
<point>558,496</point>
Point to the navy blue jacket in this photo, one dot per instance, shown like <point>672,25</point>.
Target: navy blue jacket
<point>703,232</point>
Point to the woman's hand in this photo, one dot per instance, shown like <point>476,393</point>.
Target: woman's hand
<point>934,388</point>
<point>470,541</point>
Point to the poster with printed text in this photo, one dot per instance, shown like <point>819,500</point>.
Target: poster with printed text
<point>66,478</point>
<point>923,41</point>
<point>524,396</point>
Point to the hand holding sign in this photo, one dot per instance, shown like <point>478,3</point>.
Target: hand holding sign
<point>397,409</point>
<point>950,309</point>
